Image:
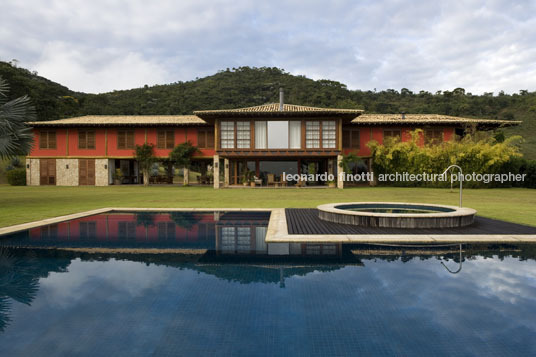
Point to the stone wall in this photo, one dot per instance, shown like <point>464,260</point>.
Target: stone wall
<point>67,172</point>
<point>32,172</point>
<point>101,172</point>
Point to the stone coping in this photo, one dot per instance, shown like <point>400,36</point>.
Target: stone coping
<point>277,231</point>
<point>47,221</point>
<point>456,211</point>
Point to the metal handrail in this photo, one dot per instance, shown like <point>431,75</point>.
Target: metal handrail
<point>460,178</point>
<point>460,266</point>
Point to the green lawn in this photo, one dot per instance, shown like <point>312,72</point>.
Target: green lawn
<point>25,204</point>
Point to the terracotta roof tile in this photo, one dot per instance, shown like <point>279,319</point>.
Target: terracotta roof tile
<point>128,120</point>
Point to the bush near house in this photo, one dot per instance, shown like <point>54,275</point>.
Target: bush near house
<point>481,155</point>
<point>16,177</point>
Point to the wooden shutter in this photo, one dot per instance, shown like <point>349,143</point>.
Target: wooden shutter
<point>52,141</point>
<point>51,166</point>
<point>355,139</point>
<point>130,139</point>
<point>43,172</point>
<point>210,139</point>
<point>43,140</point>
<point>201,139</point>
<point>91,172</point>
<point>170,139</point>
<point>86,172</point>
<point>161,139</point>
<point>346,142</point>
<point>82,142</point>
<point>82,171</point>
<point>90,137</point>
<point>121,140</point>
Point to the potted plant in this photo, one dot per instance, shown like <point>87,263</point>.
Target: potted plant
<point>245,178</point>
<point>117,176</point>
<point>331,184</point>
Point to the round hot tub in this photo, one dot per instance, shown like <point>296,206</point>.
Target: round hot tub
<point>396,214</point>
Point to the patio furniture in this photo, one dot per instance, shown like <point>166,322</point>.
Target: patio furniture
<point>270,179</point>
<point>283,181</point>
<point>257,181</point>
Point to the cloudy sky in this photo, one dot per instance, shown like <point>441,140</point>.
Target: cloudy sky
<point>99,45</point>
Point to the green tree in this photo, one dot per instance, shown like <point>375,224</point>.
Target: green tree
<point>145,158</point>
<point>181,156</point>
<point>15,137</point>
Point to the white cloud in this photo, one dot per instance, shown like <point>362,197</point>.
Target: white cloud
<point>102,46</point>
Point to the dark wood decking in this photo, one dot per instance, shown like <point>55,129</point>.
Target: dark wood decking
<point>306,221</point>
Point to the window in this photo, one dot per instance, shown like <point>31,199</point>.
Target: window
<point>295,134</point>
<point>50,231</point>
<point>392,134</point>
<point>312,134</point>
<point>261,135</point>
<point>86,139</point>
<point>165,139</point>
<point>47,140</point>
<point>227,134</point>
<point>205,138</point>
<point>277,134</point>
<point>329,134</point>
<point>350,138</point>
<point>126,230</point>
<point>125,139</point>
<point>166,230</point>
<point>88,230</point>
<point>433,136</point>
<point>243,134</point>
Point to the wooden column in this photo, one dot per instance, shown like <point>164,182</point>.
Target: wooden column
<point>216,168</point>
<point>340,182</point>
<point>226,172</point>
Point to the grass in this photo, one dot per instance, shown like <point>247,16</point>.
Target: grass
<point>26,203</point>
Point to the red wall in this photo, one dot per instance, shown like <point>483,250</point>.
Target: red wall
<point>181,135</point>
<point>61,148</point>
<point>376,133</point>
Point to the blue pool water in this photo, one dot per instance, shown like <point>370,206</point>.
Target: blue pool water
<point>237,299</point>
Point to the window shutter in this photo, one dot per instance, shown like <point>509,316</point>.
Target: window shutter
<point>82,139</point>
<point>355,139</point>
<point>346,139</point>
<point>90,137</point>
<point>161,139</point>
<point>210,139</point>
<point>43,138</point>
<point>121,140</point>
<point>170,139</point>
<point>130,140</point>
<point>51,139</point>
<point>201,139</point>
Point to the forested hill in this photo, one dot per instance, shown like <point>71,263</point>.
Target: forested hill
<point>246,86</point>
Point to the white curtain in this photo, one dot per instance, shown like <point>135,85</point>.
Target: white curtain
<point>295,134</point>
<point>260,135</point>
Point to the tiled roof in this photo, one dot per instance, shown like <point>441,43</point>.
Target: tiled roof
<point>127,120</point>
<point>428,119</point>
<point>273,108</point>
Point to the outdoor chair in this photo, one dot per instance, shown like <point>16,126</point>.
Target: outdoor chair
<point>257,181</point>
<point>283,181</point>
<point>270,179</point>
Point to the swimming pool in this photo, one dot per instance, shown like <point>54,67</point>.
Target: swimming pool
<point>234,298</point>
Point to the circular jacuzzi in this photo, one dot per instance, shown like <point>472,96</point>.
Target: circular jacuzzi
<point>396,215</point>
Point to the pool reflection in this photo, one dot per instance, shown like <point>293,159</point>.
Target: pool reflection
<point>351,300</point>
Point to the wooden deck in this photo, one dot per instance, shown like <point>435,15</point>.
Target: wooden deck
<point>306,221</point>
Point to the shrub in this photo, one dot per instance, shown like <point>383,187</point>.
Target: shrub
<point>16,177</point>
<point>482,155</point>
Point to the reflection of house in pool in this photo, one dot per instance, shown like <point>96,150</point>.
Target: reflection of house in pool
<point>223,233</point>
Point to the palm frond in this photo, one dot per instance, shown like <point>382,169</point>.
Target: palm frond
<point>15,137</point>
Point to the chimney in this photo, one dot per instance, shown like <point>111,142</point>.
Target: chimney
<point>281,99</point>
<point>403,115</point>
